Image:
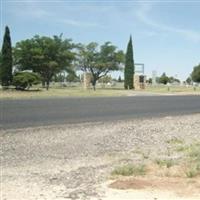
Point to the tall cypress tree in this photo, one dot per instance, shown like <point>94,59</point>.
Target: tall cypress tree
<point>129,67</point>
<point>6,60</point>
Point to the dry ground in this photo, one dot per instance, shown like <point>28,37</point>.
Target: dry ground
<point>77,161</point>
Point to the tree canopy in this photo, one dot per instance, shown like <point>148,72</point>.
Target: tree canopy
<point>129,67</point>
<point>164,79</point>
<point>24,80</point>
<point>99,60</point>
<point>44,55</point>
<point>196,74</point>
<point>6,62</point>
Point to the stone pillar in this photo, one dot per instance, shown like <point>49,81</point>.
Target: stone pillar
<point>139,82</point>
<point>86,80</point>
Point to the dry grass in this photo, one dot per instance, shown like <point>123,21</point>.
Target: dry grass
<point>60,92</point>
<point>129,170</point>
<point>173,89</point>
<point>78,91</point>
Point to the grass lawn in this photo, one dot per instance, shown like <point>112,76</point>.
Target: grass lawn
<point>78,91</point>
<point>61,92</point>
<point>173,89</point>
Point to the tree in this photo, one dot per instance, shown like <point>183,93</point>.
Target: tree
<point>189,80</point>
<point>105,79</point>
<point>44,55</point>
<point>173,80</point>
<point>6,60</point>
<point>119,79</point>
<point>129,67</point>
<point>72,77</point>
<point>149,81</point>
<point>24,80</point>
<point>99,61</point>
<point>164,79</point>
<point>196,74</point>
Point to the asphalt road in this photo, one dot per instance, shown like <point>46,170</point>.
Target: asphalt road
<point>39,112</point>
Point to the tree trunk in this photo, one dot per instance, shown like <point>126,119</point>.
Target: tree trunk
<point>47,85</point>
<point>94,84</point>
<point>43,83</point>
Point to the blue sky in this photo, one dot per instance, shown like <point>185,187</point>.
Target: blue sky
<point>166,34</point>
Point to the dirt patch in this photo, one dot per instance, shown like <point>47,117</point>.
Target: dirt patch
<point>179,186</point>
<point>130,184</point>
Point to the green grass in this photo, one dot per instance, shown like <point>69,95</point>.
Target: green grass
<point>60,92</point>
<point>194,152</point>
<point>164,162</point>
<point>181,148</point>
<point>175,141</point>
<point>77,90</point>
<point>129,170</point>
<point>192,160</point>
<point>172,89</point>
<point>193,170</point>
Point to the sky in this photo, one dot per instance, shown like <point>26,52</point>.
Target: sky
<point>166,34</point>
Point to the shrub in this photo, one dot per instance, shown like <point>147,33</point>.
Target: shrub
<point>129,170</point>
<point>167,163</point>
<point>24,80</point>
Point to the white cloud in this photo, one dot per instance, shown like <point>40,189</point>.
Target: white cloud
<point>143,15</point>
<point>34,10</point>
<point>77,23</point>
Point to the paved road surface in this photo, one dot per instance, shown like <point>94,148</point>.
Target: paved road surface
<point>39,112</point>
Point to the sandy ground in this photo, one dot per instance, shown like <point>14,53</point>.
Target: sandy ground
<point>75,161</point>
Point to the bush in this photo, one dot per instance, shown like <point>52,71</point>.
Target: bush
<point>129,170</point>
<point>24,80</point>
<point>196,74</point>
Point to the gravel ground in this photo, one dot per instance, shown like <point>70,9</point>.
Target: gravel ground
<point>74,161</point>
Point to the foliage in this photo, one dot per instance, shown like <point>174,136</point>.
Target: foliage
<point>99,61</point>
<point>129,170</point>
<point>59,77</point>
<point>105,79</point>
<point>6,60</point>
<point>24,80</point>
<point>189,80</point>
<point>196,74</point>
<point>149,81</point>
<point>44,55</point>
<point>168,163</point>
<point>164,79</point>
<point>72,77</point>
<point>173,80</point>
<point>119,79</point>
<point>129,67</point>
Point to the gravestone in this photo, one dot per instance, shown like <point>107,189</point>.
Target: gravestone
<point>139,82</point>
<point>86,80</point>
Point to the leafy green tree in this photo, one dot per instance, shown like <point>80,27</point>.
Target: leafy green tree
<point>149,81</point>
<point>44,55</point>
<point>173,80</point>
<point>72,77</point>
<point>196,74</point>
<point>129,67</point>
<point>59,77</point>
<point>6,60</point>
<point>105,79</point>
<point>99,61</point>
<point>189,80</point>
<point>24,80</point>
<point>119,79</point>
<point>164,79</point>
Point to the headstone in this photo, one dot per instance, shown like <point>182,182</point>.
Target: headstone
<point>86,80</point>
<point>139,82</point>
